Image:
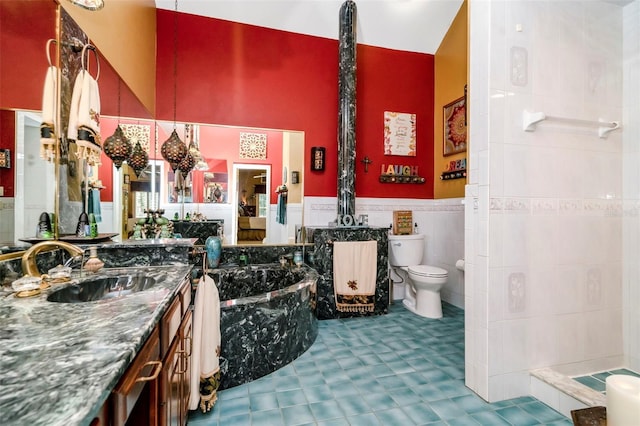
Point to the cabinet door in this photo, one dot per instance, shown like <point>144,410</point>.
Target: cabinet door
<point>185,334</point>
<point>171,386</point>
<point>135,397</point>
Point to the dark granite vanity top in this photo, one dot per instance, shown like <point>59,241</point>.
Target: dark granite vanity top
<point>60,361</point>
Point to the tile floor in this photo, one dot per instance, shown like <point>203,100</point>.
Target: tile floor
<point>395,369</point>
<point>597,382</point>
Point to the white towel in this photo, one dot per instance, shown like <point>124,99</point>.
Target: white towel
<point>354,275</point>
<point>49,115</point>
<point>84,116</point>
<point>72,131</point>
<point>205,353</point>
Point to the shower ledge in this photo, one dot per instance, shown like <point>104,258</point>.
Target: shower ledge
<point>567,385</point>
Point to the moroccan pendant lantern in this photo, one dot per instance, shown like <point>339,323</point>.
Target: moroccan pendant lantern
<point>139,160</point>
<point>186,165</point>
<point>117,147</point>
<point>173,150</point>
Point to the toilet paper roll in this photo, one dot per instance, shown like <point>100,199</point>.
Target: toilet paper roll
<point>460,265</point>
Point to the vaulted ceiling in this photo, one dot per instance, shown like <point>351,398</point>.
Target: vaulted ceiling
<point>409,25</point>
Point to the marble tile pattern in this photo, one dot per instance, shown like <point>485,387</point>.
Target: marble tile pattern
<point>146,252</point>
<point>200,230</point>
<point>267,319</point>
<point>125,254</point>
<point>60,361</point>
<point>347,109</point>
<point>323,263</point>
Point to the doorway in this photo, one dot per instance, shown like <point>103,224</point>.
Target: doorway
<point>250,198</point>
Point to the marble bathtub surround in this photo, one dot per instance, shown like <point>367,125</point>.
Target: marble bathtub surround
<point>267,318</point>
<point>60,361</point>
<point>347,109</point>
<point>323,263</point>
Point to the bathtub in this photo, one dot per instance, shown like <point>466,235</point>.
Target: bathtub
<point>267,319</point>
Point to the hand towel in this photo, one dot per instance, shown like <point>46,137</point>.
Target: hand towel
<point>281,210</point>
<point>354,275</point>
<point>84,118</point>
<point>205,353</point>
<point>72,131</point>
<point>49,115</point>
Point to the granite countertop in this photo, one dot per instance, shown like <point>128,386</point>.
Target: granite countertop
<point>60,361</point>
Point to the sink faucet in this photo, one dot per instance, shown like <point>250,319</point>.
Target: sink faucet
<point>29,266</point>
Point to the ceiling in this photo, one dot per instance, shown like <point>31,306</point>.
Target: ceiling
<point>409,25</point>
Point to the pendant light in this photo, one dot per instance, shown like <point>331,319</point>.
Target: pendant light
<point>117,147</point>
<point>139,159</point>
<point>186,165</point>
<point>173,150</point>
<point>89,4</point>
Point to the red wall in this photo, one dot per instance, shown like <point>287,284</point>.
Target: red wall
<point>236,74</point>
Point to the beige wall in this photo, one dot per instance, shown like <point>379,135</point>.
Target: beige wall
<point>125,33</point>
<point>450,78</point>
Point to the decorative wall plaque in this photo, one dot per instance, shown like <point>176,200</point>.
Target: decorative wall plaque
<point>253,146</point>
<point>399,134</point>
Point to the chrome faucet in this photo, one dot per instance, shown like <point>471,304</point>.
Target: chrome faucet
<point>29,266</point>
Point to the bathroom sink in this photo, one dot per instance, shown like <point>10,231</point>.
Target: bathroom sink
<point>102,287</point>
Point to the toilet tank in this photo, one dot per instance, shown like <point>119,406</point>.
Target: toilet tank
<point>406,250</point>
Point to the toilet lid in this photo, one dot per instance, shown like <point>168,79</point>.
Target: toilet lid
<point>428,271</point>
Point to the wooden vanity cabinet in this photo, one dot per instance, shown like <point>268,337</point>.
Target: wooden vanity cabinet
<point>175,378</point>
<point>155,389</point>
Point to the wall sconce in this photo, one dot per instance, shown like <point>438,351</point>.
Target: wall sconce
<point>317,158</point>
<point>295,177</point>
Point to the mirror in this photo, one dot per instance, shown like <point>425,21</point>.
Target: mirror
<point>216,193</point>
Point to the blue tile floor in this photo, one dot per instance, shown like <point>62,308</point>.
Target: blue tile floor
<point>395,369</point>
<point>597,381</point>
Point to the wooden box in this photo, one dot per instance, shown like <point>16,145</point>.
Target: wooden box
<point>402,222</point>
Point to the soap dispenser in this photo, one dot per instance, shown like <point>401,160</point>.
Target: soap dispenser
<point>94,264</point>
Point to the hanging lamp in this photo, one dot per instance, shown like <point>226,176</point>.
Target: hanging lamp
<point>138,160</point>
<point>186,165</point>
<point>117,147</point>
<point>173,149</point>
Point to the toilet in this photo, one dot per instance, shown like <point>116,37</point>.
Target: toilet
<point>423,282</point>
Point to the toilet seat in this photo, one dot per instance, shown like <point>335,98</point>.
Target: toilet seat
<point>428,271</point>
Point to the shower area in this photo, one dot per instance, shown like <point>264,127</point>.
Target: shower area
<point>552,208</point>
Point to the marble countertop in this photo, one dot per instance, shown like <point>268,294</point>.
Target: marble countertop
<point>60,361</point>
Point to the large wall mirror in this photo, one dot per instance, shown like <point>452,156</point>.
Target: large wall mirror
<point>232,187</point>
<point>240,170</point>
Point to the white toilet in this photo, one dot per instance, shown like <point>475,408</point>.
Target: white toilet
<point>424,282</point>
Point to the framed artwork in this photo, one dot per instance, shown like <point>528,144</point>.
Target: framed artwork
<point>317,158</point>
<point>5,158</point>
<point>455,127</point>
<point>127,179</point>
<point>399,134</point>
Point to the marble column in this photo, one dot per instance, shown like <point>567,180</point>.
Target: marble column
<point>347,110</point>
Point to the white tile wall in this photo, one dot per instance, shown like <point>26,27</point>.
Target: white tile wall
<point>630,287</point>
<point>553,201</point>
<point>441,221</point>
